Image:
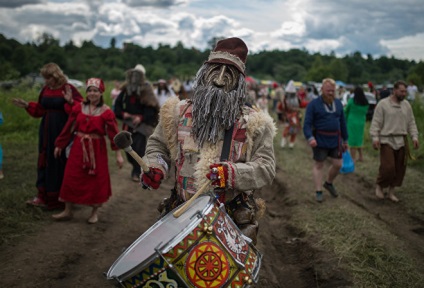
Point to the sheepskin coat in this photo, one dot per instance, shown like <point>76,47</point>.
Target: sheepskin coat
<point>251,164</point>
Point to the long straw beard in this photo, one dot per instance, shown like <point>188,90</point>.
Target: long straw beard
<point>214,110</point>
<point>135,83</point>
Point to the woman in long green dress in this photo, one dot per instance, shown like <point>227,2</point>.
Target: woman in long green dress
<point>355,113</point>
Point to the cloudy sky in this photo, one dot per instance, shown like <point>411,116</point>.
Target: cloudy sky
<point>376,27</point>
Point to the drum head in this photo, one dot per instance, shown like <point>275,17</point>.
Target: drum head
<point>162,236</point>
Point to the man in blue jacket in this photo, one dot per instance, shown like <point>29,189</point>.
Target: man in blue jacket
<point>325,130</point>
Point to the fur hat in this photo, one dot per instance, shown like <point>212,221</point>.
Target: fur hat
<point>232,51</point>
<point>95,82</point>
<point>141,68</point>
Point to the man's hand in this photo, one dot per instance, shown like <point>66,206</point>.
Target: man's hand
<point>376,144</point>
<point>126,115</point>
<point>119,159</point>
<point>136,120</point>
<point>218,175</point>
<point>313,143</point>
<point>416,143</point>
<point>152,179</point>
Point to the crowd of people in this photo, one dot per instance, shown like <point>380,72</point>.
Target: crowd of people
<point>184,124</point>
<point>333,128</point>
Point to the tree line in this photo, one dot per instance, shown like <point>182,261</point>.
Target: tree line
<point>165,61</point>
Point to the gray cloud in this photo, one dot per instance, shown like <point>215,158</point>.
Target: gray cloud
<point>153,3</point>
<point>18,3</point>
<point>376,27</point>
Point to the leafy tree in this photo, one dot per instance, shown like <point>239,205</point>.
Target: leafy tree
<point>285,73</point>
<point>339,70</point>
<point>57,55</point>
<point>415,78</point>
<point>419,71</point>
<point>8,72</point>
<point>113,42</point>
<point>89,60</point>
<point>20,58</point>
<point>318,70</point>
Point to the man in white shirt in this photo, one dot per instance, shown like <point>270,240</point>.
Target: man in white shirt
<point>393,120</point>
<point>163,92</point>
<point>412,91</point>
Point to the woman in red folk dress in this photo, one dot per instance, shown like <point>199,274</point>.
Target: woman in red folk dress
<point>87,179</point>
<point>55,102</point>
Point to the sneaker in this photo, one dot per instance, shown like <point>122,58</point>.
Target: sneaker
<point>319,196</point>
<point>330,188</point>
<point>283,142</point>
<point>291,145</point>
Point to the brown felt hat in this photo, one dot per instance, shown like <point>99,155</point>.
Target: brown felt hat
<point>232,51</point>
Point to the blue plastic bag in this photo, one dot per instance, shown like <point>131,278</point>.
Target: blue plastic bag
<point>348,165</point>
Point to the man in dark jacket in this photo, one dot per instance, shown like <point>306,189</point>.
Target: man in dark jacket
<point>138,107</point>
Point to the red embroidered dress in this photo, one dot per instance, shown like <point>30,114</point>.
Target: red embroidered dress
<point>87,179</point>
<point>53,110</point>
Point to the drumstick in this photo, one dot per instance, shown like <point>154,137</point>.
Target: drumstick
<point>188,203</point>
<point>123,140</point>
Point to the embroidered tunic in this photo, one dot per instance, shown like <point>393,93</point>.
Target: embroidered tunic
<point>325,123</point>
<point>87,179</point>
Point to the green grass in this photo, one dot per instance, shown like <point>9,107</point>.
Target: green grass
<point>359,243</point>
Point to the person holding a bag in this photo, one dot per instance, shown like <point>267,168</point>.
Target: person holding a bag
<point>393,120</point>
<point>87,179</point>
<point>326,132</point>
<point>54,104</point>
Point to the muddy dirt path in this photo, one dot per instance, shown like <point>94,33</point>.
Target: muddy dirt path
<point>76,254</point>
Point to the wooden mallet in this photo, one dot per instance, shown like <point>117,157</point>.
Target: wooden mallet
<point>123,140</point>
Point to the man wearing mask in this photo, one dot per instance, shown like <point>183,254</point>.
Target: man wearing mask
<point>215,131</point>
<point>138,107</point>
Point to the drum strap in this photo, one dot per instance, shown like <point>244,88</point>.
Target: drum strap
<point>226,147</point>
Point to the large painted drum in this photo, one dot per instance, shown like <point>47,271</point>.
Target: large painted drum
<point>201,248</point>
